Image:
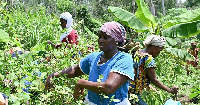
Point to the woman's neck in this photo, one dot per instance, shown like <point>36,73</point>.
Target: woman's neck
<point>145,51</point>
<point>109,55</point>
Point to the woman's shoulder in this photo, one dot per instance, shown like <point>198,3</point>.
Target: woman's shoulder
<point>140,54</point>
<point>124,55</point>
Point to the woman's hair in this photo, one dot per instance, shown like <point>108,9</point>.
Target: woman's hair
<point>115,30</point>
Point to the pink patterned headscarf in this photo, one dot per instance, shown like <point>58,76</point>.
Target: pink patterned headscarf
<point>115,30</point>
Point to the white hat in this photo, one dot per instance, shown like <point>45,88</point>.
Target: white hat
<point>68,17</point>
<point>155,40</point>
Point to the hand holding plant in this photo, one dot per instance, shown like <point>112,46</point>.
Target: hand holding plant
<point>174,90</point>
<point>78,90</point>
<point>54,45</point>
<point>48,83</point>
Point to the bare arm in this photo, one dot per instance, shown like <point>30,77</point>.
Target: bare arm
<point>70,72</point>
<point>54,45</point>
<point>152,76</point>
<point>114,81</point>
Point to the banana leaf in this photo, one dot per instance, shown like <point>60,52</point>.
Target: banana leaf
<point>180,53</point>
<point>184,30</point>
<point>4,36</point>
<point>90,33</point>
<point>170,41</point>
<point>128,19</point>
<point>190,16</point>
<point>144,15</point>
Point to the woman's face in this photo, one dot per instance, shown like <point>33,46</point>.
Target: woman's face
<point>106,42</point>
<point>156,50</point>
<point>63,23</point>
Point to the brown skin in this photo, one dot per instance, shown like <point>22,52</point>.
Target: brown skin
<point>108,45</point>
<point>193,51</point>
<point>155,51</point>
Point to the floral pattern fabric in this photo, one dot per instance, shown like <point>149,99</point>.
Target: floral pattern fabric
<point>141,79</point>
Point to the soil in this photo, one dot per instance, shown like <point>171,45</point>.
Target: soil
<point>186,101</point>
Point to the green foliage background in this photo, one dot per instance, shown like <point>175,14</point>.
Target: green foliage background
<point>29,25</point>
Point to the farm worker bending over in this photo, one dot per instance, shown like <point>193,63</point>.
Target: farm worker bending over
<point>70,36</point>
<point>194,51</point>
<point>115,66</point>
<point>144,65</point>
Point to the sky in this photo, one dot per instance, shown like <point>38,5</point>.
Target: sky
<point>182,1</point>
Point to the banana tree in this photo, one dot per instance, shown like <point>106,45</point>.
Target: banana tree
<point>182,26</point>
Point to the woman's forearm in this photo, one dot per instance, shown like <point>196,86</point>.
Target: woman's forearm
<point>96,87</point>
<point>158,84</point>
<point>68,72</point>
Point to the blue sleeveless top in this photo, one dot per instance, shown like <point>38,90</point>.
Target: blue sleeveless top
<point>121,63</point>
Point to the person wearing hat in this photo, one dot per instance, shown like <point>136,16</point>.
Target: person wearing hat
<point>144,67</point>
<point>71,35</point>
<point>109,70</point>
<point>193,51</point>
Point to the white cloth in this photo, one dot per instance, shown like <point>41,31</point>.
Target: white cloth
<point>88,102</point>
<point>65,34</point>
<point>155,40</point>
<point>68,17</point>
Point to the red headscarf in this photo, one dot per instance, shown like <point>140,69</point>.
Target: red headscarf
<point>115,30</point>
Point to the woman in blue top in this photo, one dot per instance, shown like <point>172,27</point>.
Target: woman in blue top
<point>115,66</point>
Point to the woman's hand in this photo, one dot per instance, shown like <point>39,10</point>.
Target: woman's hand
<point>48,83</point>
<point>174,90</point>
<point>58,45</point>
<point>78,90</point>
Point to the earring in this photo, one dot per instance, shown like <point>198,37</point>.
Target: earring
<point>116,43</point>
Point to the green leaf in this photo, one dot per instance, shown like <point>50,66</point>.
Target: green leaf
<point>170,41</point>
<point>183,30</point>
<point>180,53</point>
<point>90,33</point>
<point>116,100</point>
<point>144,15</point>
<point>4,36</point>
<point>192,95</point>
<point>16,83</point>
<point>13,98</point>
<point>106,96</point>
<point>39,47</point>
<point>190,16</point>
<point>128,19</point>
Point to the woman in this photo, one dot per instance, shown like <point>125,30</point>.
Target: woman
<point>70,36</point>
<point>115,66</point>
<point>144,66</point>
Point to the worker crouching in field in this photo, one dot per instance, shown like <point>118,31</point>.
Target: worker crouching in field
<point>144,67</point>
<point>193,51</point>
<point>68,37</point>
<point>109,70</point>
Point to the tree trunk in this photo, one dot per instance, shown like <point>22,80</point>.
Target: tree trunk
<point>133,6</point>
<point>163,6</point>
<point>152,7</point>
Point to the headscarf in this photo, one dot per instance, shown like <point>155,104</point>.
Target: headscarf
<point>68,17</point>
<point>115,30</point>
<point>155,40</point>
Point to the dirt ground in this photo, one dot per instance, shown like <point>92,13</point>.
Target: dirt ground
<point>186,101</point>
